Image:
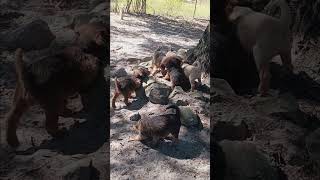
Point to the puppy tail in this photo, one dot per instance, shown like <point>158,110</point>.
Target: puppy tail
<point>173,106</point>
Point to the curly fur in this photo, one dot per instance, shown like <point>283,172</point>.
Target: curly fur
<point>49,82</point>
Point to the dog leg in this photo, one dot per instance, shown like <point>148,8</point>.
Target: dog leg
<point>286,60</point>
<point>137,138</point>
<point>19,107</point>
<point>126,98</point>
<point>114,98</point>
<point>264,76</point>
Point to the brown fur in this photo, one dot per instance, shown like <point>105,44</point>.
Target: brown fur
<point>158,127</point>
<point>93,38</point>
<point>126,85</point>
<point>193,72</point>
<point>171,65</point>
<point>157,57</point>
<point>49,82</point>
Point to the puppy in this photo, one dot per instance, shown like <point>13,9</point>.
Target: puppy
<point>126,85</point>
<point>157,57</point>
<point>158,127</point>
<point>265,37</point>
<point>193,72</point>
<point>92,38</point>
<point>49,82</point>
<point>182,53</point>
<point>172,66</point>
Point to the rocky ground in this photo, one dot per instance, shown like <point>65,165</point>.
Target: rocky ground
<point>133,41</point>
<point>269,133</point>
<point>84,152</point>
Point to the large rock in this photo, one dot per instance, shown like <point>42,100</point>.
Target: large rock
<point>33,36</point>
<point>313,145</point>
<point>222,87</point>
<point>158,93</point>
<point>189,118</point>
<point>243,161</point>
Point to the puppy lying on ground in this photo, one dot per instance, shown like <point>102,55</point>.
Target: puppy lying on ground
<point>158,127</point>
<point>193,72</point>
<point>265,36</point>
<point>126,85</point>
<point>172,66</point>
<point>49,82</point>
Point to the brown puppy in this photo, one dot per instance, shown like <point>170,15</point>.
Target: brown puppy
<point>193,72</point>
<point>126,85</point>
<point>158,127</point>
<point>93,38</point>
<point>172,66</point>
<point>49,82</point>
<point>157,57</point>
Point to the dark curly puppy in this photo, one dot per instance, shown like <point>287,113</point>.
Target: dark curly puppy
<point>126,85</point>
<point>49,81</point>
<point>172,65</point>
<point>158,127</point>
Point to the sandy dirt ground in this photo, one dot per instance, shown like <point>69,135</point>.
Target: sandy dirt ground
<point>132,40</point>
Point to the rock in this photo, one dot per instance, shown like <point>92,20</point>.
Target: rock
<point>145,64</point>
<point>176,90</point>
<point>158,93</point>
<point>82,169</point>
<point>282,103</point>
<point>189,118</point>
<point>100,8</point>
<point>119,73</point>
<point>222,87</point>
<point>33,36</point>
<point>94,3</point>
<point>135,117</point>
<point>231,131</point>
<point>313,145</point>
<point>181,103</point>
<point>80,19</point>
<point>146,59</point>
<point>243,161</point>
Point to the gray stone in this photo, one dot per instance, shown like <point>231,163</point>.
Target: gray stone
<point>189,118</point>
<point>102,7</point>
<point>158,93</point>
<point>245,162</point>
<point>33,36</point>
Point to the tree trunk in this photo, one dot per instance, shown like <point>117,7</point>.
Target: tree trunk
<point>195,8</point>
<point>201,52</point>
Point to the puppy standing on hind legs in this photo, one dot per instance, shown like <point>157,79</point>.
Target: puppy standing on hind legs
<point>265,37</point>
